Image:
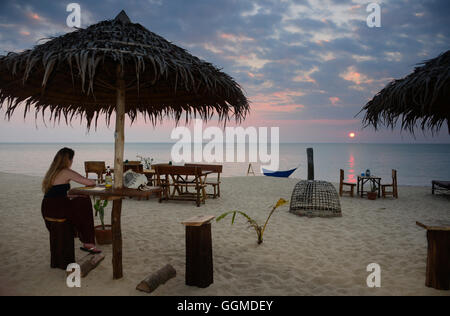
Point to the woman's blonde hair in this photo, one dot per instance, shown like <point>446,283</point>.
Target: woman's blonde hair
<point>61,161</point>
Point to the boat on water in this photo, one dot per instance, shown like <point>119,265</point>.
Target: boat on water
<point>278,174</point>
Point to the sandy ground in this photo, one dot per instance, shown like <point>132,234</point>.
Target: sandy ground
<point>299,256</point>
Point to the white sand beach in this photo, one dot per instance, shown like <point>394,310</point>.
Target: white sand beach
<point>299,256</point>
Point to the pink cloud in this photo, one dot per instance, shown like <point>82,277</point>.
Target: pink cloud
<point>334,100</point>
<point>354,76</point>
<point>236,38</point>
<point>279,101</point>
<point>253,75</point>
<point>35,16</point>
<point>355,7</point>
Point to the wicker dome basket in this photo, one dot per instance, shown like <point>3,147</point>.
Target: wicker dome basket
<point>315,199</point>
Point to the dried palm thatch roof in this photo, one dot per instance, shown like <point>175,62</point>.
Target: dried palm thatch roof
<point>421,97</point>
<point>74,75</point>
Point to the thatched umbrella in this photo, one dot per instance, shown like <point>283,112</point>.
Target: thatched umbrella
<point>116,66</point>
<point>423,96</point>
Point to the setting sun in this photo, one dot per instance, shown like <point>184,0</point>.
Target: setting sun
<point>351,135</point>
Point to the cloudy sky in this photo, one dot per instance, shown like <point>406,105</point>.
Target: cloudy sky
<point>307,66</point>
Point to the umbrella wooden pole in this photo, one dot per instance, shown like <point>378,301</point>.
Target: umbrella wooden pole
<point>118,176</point>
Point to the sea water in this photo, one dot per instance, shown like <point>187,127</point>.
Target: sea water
<point>417,164</point>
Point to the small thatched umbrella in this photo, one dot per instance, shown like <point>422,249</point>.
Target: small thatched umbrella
<point>116,66</point>
<point>423,96</point>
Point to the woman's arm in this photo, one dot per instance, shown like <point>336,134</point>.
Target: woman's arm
<point>75,176</point>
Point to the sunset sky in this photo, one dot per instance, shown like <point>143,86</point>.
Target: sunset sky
<point>306,66</point>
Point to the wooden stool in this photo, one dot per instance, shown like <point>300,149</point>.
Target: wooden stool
<point>438,260</point>
<point>62,247</point>
<point>199,259</point>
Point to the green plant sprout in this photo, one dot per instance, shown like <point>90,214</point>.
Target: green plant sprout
<point>99,207</point>
<point>252,223</point>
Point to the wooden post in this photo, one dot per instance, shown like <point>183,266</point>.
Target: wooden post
<point>310,154</point>
<point>119,138</point>
<point>438,261</point>
<point>119,135</point>
<point>199,259</point>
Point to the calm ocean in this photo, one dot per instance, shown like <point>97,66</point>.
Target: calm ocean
<point>417,164</point>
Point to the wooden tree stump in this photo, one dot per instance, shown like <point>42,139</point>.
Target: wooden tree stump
<point>89,263</point>
<point>199,259</point>
<point>438,260</point>
<point>151,283</point>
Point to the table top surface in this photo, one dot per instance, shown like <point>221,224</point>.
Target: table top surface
<point>198,220</point>
<point>436,225</point>
<point>371,177</point>
<point>103,192</point>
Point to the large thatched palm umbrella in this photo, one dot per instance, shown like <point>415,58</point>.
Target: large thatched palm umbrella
<point>423,96</point>
<point>116,67</point>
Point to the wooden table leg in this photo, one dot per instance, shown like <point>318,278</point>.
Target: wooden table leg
<point>117,239</point>
<point>438,261</point>
<point>357,188</point>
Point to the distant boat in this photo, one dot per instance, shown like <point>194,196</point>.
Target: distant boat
<point>278,174</point>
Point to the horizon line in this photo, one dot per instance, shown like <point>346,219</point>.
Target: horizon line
<point>349,143</point>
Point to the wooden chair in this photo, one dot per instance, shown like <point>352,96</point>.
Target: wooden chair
<point>62,249</point>
<point>214,183</point>
<point>342,184</point>
<point>136,166</point>
<point>175,177</point>
<point>97,167</point>
<point>394,191</point>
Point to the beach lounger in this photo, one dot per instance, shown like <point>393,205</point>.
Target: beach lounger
<point>393,185</point>
<point>342,184</point>
<point>440,186</point>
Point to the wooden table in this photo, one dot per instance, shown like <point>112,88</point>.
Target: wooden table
<point>115,195</point>
<point>199,259</point>
<point>438,259</point>
<point>373,180</point>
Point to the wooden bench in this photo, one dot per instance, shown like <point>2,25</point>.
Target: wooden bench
<point>215,183</point>
<point>199,259</point>
<point>62,247</point>
<point>176,177</point>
